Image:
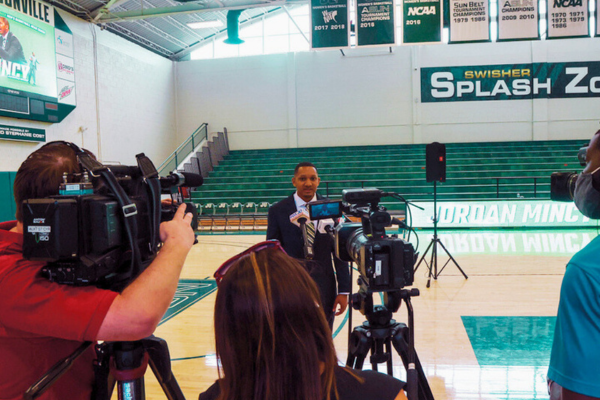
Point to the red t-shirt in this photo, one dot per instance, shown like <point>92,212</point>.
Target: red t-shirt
<point>41,323</point>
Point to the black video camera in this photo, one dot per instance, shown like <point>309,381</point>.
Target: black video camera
<point>103,227</point>
<point>385,262</point>
<point>562,184</point>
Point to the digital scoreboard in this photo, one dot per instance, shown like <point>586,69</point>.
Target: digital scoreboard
<point>37,70</point>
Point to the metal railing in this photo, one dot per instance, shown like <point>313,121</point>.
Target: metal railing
<point>184,150</point>
<point>535,182</point>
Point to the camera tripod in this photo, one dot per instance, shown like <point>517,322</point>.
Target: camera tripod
<point>379,332</point>
<point>435,241</point>
<point>122,364</point>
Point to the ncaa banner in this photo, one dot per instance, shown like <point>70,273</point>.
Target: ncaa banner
<point>469,21</point>
<point>422,21</point>
<point>518,20</point>
<point>568,19</point>
<point>329,28</point>
<point>510,82</point>
<point>375,23</point>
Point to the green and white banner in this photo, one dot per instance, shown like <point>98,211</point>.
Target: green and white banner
<point>329,27</point>
<point>422,21</point>
<point>25,134</point>
<point>555,243</point>
<point>469,21</point>
<point>518,19</point>
<point>568,18</point>
<point>375,23</point>
<point>510,82</point>
<point>492,214</point>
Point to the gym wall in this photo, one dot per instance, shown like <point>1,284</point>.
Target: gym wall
<point>372,96</point>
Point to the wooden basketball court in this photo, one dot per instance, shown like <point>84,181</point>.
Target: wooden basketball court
<point>485,337</point>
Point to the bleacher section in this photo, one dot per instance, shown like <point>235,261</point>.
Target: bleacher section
<point>501,170</point>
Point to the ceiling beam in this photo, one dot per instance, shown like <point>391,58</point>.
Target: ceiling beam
<point>188,8</point>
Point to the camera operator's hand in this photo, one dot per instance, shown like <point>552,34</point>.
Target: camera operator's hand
<point>135,313</point>
<point>178,229</point>
<point>341,300</point>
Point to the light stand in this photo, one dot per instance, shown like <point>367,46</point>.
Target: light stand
<point>435,241</point>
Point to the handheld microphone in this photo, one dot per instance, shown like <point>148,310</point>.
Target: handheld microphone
<point>186,179</point>
<point>308,248</point>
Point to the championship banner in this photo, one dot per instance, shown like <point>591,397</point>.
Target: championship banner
<point>568,19</point>
<point>422,21</point>
<point>469,21</point>
<point>375,23</point>
<point>510,82</point>
<point>25,134</point>
<point>518,20</point>
<point>329,24</point>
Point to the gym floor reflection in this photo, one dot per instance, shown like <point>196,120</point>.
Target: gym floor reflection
<point>485,337</point>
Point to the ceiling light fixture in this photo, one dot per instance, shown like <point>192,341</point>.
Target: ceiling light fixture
<point>215,23</point>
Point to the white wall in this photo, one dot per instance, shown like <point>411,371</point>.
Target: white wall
<point>135,97</point>
<point>372,96</point>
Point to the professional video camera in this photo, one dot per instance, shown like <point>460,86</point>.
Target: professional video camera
<point>562,184</point>
<point>385,263</point>
<point>103,227</point>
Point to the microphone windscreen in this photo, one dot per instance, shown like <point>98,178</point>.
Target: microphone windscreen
<point>192,180</point>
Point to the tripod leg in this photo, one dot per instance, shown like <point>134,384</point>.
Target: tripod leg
<point>358,348</point>
<point>160,363</point>
<point>453,260</point>
<point>433,258</point>
<point>423,257</point>
<point>401,345</point>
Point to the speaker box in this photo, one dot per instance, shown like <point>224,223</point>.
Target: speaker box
<point>435,157</point>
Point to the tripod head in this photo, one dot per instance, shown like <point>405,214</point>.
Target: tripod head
<point>380,316</point>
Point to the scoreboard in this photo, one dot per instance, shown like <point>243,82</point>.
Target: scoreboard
<point>37,70</point>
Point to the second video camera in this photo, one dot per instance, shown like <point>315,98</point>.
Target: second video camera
<point>385,263</point>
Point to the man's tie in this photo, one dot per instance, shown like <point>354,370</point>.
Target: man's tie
<point>310,233</point>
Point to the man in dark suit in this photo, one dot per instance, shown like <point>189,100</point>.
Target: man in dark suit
<point>10,47</point>
<point>283,225</point>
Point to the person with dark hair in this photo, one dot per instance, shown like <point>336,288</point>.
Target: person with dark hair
<point>574,371</point>
<point>273,340</point>
<point>42,322</point>
<point>10,47</point>
<point>283,225</point>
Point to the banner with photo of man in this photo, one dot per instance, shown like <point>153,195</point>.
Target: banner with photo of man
<point>469,21</point>
<point>568,19</point>
<point>375,23</point>
<point>422,21</point>
<point>27,53</point>
<point>518,20</point>
<point>329,24</point>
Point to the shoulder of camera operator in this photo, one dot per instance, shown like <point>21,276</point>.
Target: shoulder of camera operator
<point>136,312</point>
<point>593,154</point>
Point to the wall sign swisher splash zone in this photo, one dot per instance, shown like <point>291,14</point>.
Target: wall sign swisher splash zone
<point>510,82</point>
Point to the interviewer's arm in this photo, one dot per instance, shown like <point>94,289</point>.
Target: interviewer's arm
<point>135,313</point>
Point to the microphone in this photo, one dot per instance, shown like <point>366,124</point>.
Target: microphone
<point>186,179</point>
<point>308,249</point>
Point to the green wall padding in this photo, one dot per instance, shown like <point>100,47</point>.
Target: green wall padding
<point>7,201</point>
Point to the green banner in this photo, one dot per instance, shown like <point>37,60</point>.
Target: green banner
<point>19,133</point>
<point>329,24</point>
<point>501,214</point>
<point>422,21</point>
<point>510,82</point>
<point>375,23</point>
